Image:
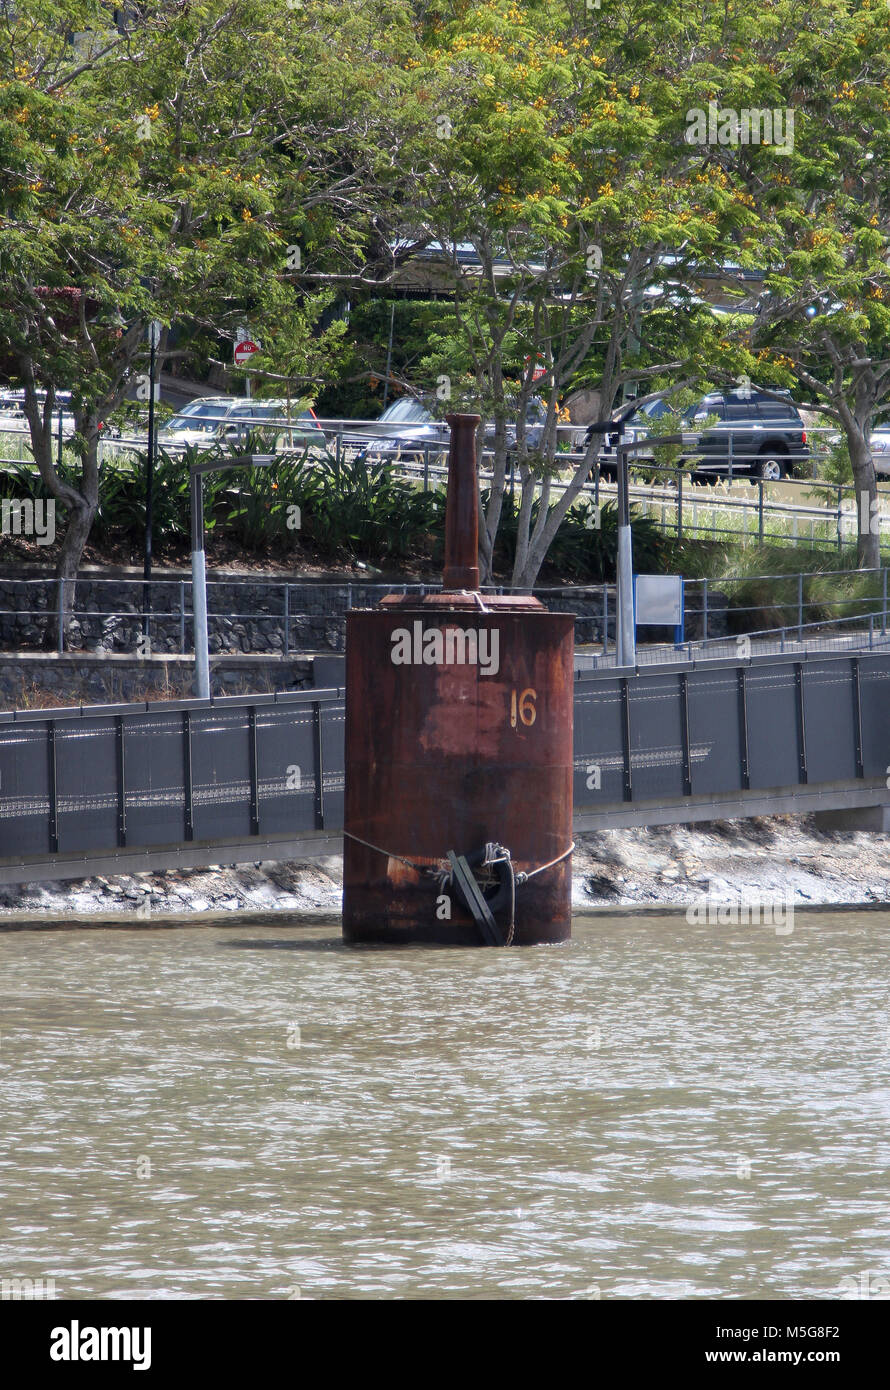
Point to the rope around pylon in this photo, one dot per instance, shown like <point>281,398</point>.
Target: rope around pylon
<point>494,854</point>
<point>428,868</point>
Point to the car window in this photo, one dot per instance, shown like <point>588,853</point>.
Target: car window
<point>776,410</point>
<point>709,406</point>
<point>191,423</point>
<point>405,409</point>
<point>205,410</point>
<point>655,410</point>
<point>256,411</point>
<point>740,412</point>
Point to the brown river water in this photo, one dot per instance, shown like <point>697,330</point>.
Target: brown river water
<point>656,1110</point>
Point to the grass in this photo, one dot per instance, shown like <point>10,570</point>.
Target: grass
<point>834,588</point>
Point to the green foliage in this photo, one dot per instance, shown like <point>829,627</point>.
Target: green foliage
<point>834,587</point>
<point>246,162</point>
<point>351,508</point>
<point>836,466</point>
<point>121,514</point>
<point>355,389</point>
<point>586,547</point>
<point>342,510</point>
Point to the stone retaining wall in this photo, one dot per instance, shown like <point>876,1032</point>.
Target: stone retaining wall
<point>246,616</point>
<point>79,679</point>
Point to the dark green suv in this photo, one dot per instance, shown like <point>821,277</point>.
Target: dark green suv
<point>754,435</point>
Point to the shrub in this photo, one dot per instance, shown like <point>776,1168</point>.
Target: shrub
<point>583,550</point>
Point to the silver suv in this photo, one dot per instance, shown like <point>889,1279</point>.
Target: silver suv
<point>231,419</point>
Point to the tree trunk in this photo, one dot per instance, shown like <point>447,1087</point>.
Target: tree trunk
<point>868,538</point>
<point>534,552</point>
<point>81,505</point>
<point>490,517</point>
<point>80,522</point>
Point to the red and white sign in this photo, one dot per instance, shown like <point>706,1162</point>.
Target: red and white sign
<point>244,351</point>
<point>540,369</point>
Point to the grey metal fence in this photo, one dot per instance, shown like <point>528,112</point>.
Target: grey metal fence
<point>790,511</point>
<point>248,614</point>
<point>722,727</point>
<point>170,772</point>
<point>94,779</point>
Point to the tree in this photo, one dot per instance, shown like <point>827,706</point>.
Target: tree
<point>555,152</point>
<point>818,210</point>
<point>167,166</point>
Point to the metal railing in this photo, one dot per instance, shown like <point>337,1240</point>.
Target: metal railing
<point>830,635</point>
<point>237,779</point>
<point>676,501</point>
<point>298,617</point>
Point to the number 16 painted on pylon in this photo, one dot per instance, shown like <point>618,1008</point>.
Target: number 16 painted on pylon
<point>524,706</point>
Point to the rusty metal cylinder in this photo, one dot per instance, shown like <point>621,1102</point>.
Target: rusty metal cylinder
<point>462,507</point>
<point>458,736</point>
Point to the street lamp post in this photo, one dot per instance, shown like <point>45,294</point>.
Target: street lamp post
<point>626,622</point>
<point>199,568</point>
<point>154,339</point>
<point>625,627</point>
<point>624,617</point>
<point>626,636</point>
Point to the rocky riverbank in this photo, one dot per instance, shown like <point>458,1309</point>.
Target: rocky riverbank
<point>667,866</point>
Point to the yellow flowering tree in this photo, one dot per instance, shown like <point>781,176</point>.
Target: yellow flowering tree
<point>186,163</point>
<point>560,191</point>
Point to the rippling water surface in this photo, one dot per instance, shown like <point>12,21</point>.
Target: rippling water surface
<point>657,1110</point>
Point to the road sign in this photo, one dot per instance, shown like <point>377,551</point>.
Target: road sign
<point>244,351</point>
<point>659,600</point>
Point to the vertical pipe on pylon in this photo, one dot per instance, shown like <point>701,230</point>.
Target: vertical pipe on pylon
<point>462,506</point>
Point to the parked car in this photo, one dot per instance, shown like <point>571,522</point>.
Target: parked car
<point>880,450</point>
<point>636,429</point>
<point>754,434</point>
<point>750,433</point>
<point>406,430</point>
<point>535,421</point>
<point>409,431</point>
<point>232,420</point>
<point>12,412</point>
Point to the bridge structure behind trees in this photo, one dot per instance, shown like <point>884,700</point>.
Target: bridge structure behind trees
<point>124,788</point>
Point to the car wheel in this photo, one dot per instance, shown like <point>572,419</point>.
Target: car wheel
<point>771,468</point>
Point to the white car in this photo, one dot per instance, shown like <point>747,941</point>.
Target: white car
<point>405,429</point>
<point>230,419</point>
<point>880,450</point>
<point>879,444</point>
<point>12,412</point>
